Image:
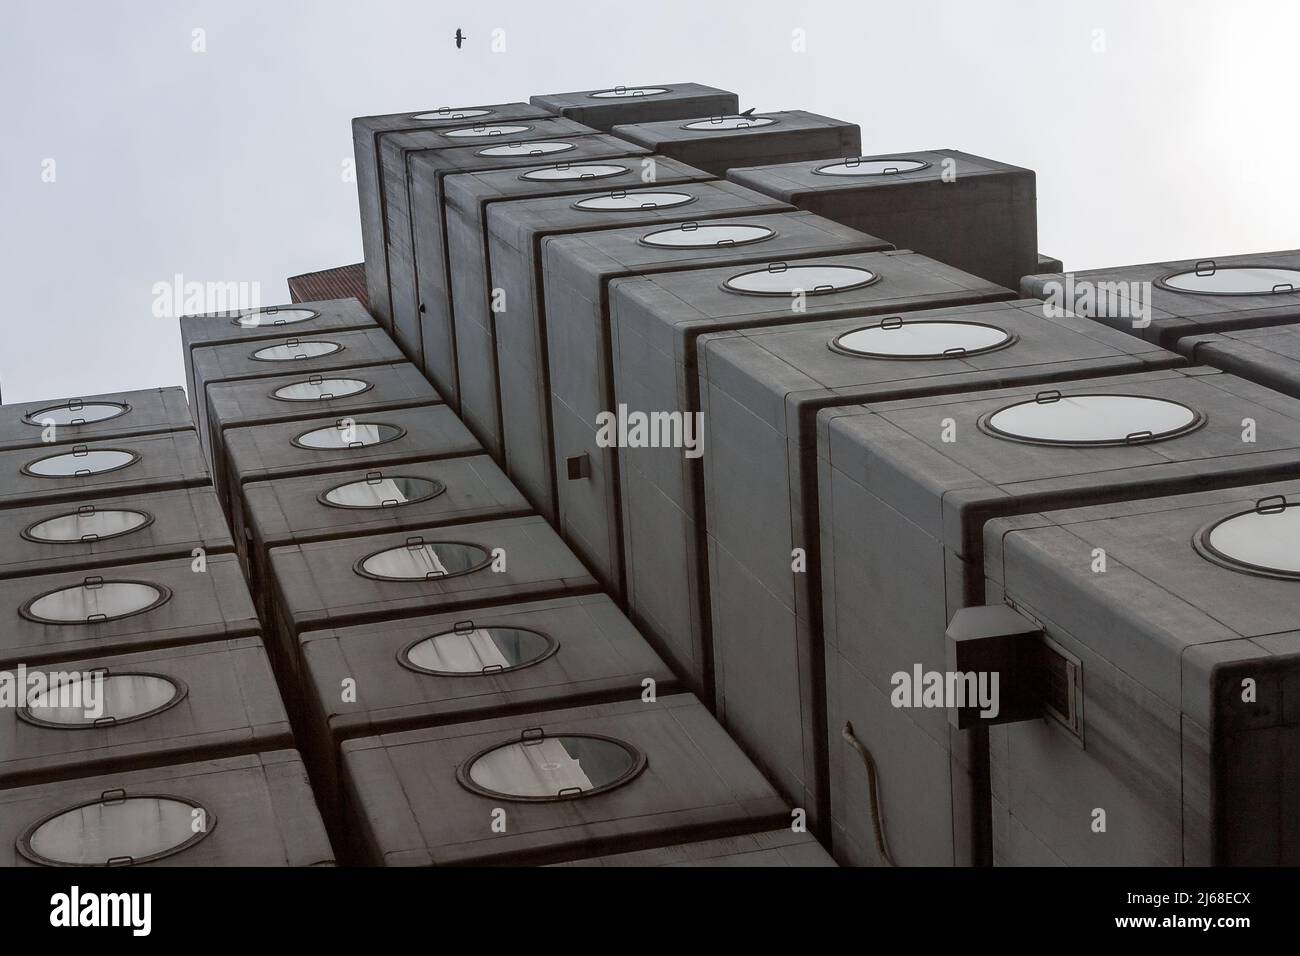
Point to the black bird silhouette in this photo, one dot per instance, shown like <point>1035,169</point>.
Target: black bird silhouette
<point>460,38</point>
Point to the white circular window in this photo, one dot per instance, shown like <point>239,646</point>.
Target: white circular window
<point>536,148</point>
<point>87,524</point>
<point>117,829</point>
<point>349,435</point>
<point>621,201</point>
<point>1209,279</point>
<point>94,601</point>
<point>569,172</point>
<point>628,92</point>
<point>1263,541</point>
<point>450,113</point>
<point>541,768</point>
<point>895,339</point>
<point>782,279</point>
<point>1055,419</point>
<point>730,122</point>
<point>691,235</point>
<point>419,560</point>
<point>473,132</point>
<point>471,651</point>
<point>258,318</point>
<point>320,389</point>
<point>379,491</point>
<point>113,699</point>
<point>75,413</point>
<point>296,351</point>
<point>81,462</point>
<point>871,167</point>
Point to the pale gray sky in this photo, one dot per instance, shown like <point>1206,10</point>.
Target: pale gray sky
<point>1167,135</point>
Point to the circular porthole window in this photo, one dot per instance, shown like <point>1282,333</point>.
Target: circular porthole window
<point>94,601</point>
<point>474,132</point>
<point>116,830</point>
<point>1209,279</point>
<point>871,167</point>
<point>1092,420</point>
<point>569,172</point>
<point>730,122</point>
<point>627,92</point>
<point>261,318</point>
<point>692,235</point>
<point>535,148</point>
<point>75,413</point>
<point>420,560</point>
<point>893,338</point>
<point>86,525</point>
<point>382,491</point>
<point>348,435</point>
<point>295,351</point>
<point>1264,541</point>
<point>81,462</point>
<point>621,201</point>
<point>118,699</point>
<point>784,280</point>
<point>449,113</point>
<point>318,389</point>
<point>469,651</point>
<point>540,768</point>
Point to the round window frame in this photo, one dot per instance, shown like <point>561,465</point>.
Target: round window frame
<point>1162,282</point>
<point>875,278</point>
<point>404,659</point>
<point>292,307</point>
<point>123,408</point>
<point>369,386</point>
<point>24,847</point>
<point>296,443</point>
<point>1011,339</point>
<point>482,153</point>
<point>28,536</point>
<point>182,692</point>
<point>769,123</point>
<point>623,171</point>
<point>134,460</point>
<point>422,116</point>
<point>1199,420</point>
<point>440,488</point>
<point>642,208</point>
<point>925,164</point>
<point>164,595</point>
<point>358,566</point>
<point>252,356</point>
<point>636,95</point>
<point>639,763</point>
<point>707,223</point>
<point>1201,544</point>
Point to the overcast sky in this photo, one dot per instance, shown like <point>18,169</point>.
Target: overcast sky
<point>1158,128</point>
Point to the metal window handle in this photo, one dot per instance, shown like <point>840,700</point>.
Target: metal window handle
<point>84,510</point>
<point>568,792</point>
<point>493,668</point>
<point>1284,287</point>
<point>1206,267</point>
<point>315,380</point>
<point>532,735</point>
<point>107,721</point>
<point>873,785</point>
<point>80,451</point>
<point>415,542</point>
<point>1047,397</point>
<point>1272,505</point>
<point>955,350</point>
<point>92,582</point>
<point>462,627</point>
<point>777,267</point>
<point>119,861</point>
<point>116,795</point>
<point>76,404</point>
<point>374,477</point>
<point>1133,438</point>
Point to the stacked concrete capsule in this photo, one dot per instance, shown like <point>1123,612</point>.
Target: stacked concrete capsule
<point>141,710</point>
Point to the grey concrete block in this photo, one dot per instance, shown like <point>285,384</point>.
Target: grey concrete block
<point>93,417</point>
<point>291,355</point>
<point>1174,301</point>
<point>761,390</point>
<point>368,134</point>
<point>1188,762</point>
<point>669,771</point>
<point>775,848</point>
<point>413,165</point>
<point>720,143</point>
<point>610,106</point>
<point>906,488</point>
<point>175,705</point>
<point>85,472</point>
<point>517,232</point>
<point>116,530</point>
<point>468,198</point>
<point>1270,356</point>
<point>977,214</point>
<point>655,325</point>
<point>258,810</point>
<point>124,608</point>
<point>342,393</point>
<point>577,650</point>
<point>303,319</point>
<point>319,446</point>
<point>579,270</point>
